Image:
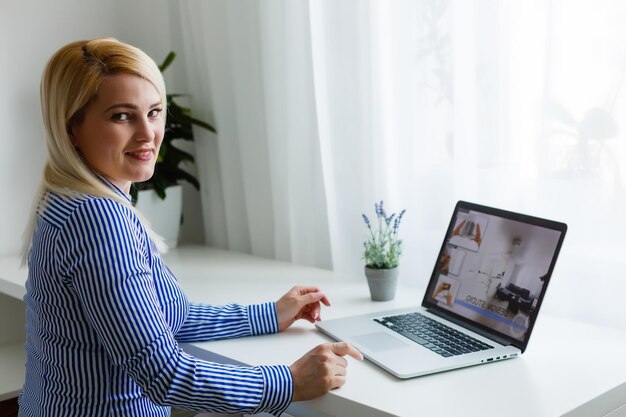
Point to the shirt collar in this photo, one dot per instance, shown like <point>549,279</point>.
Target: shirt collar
<point>113,186</point>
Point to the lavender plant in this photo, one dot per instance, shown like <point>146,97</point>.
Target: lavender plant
<point>383,247</point>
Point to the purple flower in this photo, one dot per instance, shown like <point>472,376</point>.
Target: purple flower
<point>379,209</point>
<point>396,224</point>
<point>367,221</point>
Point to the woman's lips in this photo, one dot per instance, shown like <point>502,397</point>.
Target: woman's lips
<point>141,155</point>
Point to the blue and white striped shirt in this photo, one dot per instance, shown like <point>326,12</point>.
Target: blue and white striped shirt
<point>104,316</point>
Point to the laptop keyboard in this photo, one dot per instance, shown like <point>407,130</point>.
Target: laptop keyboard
<point>433,335</point>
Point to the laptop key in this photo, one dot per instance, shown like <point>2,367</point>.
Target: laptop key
<point>413,337</point>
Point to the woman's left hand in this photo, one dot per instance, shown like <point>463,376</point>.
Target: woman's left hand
<point>300,302</point>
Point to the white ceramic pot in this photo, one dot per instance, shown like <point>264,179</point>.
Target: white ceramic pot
<point>164,215</point>
<point>382,283</point>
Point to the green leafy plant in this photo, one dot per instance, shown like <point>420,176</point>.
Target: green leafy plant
<point>383,247</point>
<point>178,125</point>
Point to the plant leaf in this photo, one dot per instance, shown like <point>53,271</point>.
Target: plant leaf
<point>178,125</point>
<point>203,124</point>
<point>160,192</point>
<point>168,60</point>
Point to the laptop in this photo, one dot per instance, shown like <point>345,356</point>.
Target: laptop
<point>480,305</point>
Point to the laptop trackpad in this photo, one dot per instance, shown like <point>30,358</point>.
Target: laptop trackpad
<point>378,342</point>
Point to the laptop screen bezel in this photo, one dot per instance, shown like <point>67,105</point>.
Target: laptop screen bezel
<point>433,306</point>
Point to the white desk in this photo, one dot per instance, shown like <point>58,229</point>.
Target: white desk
<point>567,363</point>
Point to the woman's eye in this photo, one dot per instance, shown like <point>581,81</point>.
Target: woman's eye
<point>154,112</point>
<point>122,117</point>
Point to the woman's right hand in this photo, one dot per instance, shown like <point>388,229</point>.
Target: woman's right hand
<point>322,369</point>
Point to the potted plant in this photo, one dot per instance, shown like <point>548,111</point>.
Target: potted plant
<point>149,196</point>
<point>382,252</point>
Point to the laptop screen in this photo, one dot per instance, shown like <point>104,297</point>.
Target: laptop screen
<point>493,269</point>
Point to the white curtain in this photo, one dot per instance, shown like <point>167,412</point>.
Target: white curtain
<point>324,107</point>
<point>263,183</point>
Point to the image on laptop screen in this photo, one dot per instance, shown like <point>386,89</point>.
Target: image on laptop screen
<point>492,271</point>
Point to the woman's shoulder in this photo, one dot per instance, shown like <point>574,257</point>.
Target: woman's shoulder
<point>60,209</point>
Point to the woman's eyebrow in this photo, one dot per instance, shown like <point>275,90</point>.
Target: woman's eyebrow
<point>129,106</point>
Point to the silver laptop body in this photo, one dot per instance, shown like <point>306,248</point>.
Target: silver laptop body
<point>488,283</point>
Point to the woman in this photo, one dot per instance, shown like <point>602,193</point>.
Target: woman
<point>104,313</point>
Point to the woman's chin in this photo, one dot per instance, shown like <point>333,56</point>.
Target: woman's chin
<point>144,176</point>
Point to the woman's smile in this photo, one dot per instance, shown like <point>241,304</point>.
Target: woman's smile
<point>141,154</point>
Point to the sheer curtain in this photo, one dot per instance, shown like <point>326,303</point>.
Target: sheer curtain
<point>325,107</point>
<point>263,186</point>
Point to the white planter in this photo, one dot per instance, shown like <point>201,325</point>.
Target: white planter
<point>382,283</point>
<point>164,215</point>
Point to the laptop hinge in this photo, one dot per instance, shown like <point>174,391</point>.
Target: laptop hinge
<point>469,326</point>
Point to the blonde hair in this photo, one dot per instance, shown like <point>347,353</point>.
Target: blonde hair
<point>70,82</point>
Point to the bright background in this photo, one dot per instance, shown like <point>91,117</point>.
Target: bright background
<point>324,107</point>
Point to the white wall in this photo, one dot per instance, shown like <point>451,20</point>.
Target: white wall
<point>30,32</point>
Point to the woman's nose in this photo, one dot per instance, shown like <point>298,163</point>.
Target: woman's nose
<point>145,131</point>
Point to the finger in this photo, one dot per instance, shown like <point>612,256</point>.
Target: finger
<point>303,290</point>
<point>325,300</point>
<point>312,297</point>
<point>337,382</point>
<point>314,311</point>
<point>308,314</point>
<point>343,349</point>
<point>307,317</point>
<point>341,362</point>
<point>340,371</point>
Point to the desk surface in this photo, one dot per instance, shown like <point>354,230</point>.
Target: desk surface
<point>566,363</point>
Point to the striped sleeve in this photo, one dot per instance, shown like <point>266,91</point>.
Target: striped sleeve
<point>102,252</point>
<point>206,322</point>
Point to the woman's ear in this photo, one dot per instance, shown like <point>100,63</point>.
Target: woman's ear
<point>71,136</point>
<point>74,122</point>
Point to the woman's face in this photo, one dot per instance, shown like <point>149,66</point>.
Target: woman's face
<point>122,130</point>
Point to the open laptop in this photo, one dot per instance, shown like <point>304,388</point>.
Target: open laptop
<point>481,302</point>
